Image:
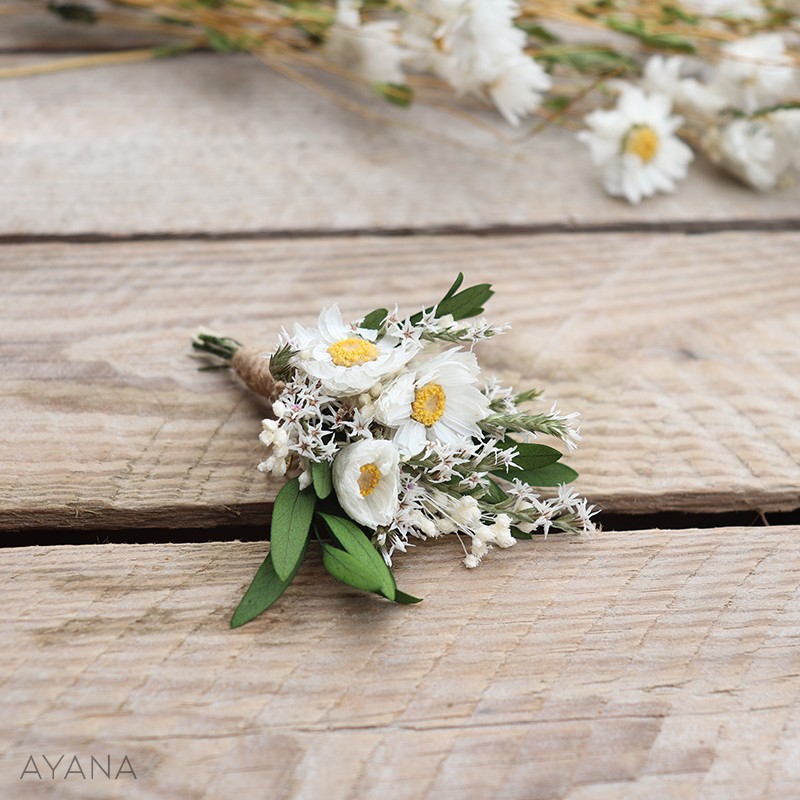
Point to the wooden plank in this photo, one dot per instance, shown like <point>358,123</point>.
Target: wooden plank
<point>680,352</point>
<point>213,144</point>
<point>636,665</point>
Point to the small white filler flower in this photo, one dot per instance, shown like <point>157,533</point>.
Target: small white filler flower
<point>366,477</point>
<point>635,145</point>
<point>345,359</point>
<point>437,401</point>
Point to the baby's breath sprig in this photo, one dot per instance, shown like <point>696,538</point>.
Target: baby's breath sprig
<point>386,435</point>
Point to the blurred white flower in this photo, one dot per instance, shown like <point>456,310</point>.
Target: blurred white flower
<point>663,76</point>
<point>755,72</point>
<point>635,145</point>
<point>475,47</point>
<point>369,50</point>
<point>366,477</point>
<point>753,150</point>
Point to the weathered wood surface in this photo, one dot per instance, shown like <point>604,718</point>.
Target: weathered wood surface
<point>680,352</point>
<point>214,144</point>
<point>635,665</point>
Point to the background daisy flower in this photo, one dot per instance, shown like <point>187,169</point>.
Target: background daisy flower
<point>635,145</point>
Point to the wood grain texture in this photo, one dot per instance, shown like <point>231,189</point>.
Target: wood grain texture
<point>208,143</point>
<point>635,665</point>
<point>680,352</point>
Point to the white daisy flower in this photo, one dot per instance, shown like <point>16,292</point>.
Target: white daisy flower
<point>635,145</point>
<point>436,401</point>
<point>366,476</point>
<point>755,72</point>
<point>346,359</point>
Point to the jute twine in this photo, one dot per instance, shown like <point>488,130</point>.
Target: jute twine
<point>251,364</point>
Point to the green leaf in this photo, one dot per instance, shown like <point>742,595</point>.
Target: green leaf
<point>552,475</point>
<point>291,522</point>
<point>265,589</point>
<point>530,457</point>
<point>395,93</point>
<point>73,12</point>
<point>468,303</point>
<point>350,570</point>
<point>592,60</point>
<point>455,287</point>
<point>538,31</point>
<point>494,494</point>
<point>223,43</point>
<point>556,102</point>
<point>358,545</point>
<point>406,599</point>
<point>321,478</point>
<point>672,14</point>
<point>374,320</point>
<point>636,28</point>
<point>518,534</point>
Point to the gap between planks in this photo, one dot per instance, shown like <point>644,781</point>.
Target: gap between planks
<point>678,226</point>
<point>633,523</point>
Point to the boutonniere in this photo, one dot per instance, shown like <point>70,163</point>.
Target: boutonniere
<point>387,434</point>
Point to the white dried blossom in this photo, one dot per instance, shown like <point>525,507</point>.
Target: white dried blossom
<point>366,476</point>
<point>475,47</point>
<point>369,50</point>
<point>756,72</point>
<point>345,360</point>
<point>751,151</point>
<point>437,400</point>
<point>635,145</point>
<point>663,76</point>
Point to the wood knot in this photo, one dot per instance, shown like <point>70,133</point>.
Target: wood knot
<point>251,364</point>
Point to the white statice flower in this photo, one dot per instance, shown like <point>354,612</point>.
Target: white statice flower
<point>366,477</point>
<point>348,360</point>
<point>475,47</point>
<point>369,50</point>
<point>436,400</point>
<point>756,72</point>
<point>635,145</point>
<point>663,76</point>
<point>751,151</point>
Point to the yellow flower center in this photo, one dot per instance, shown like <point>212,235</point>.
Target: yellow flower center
<point>428,405</point>
<point>642,141</point>
<point>368,479</point>
<point>352,352</point>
